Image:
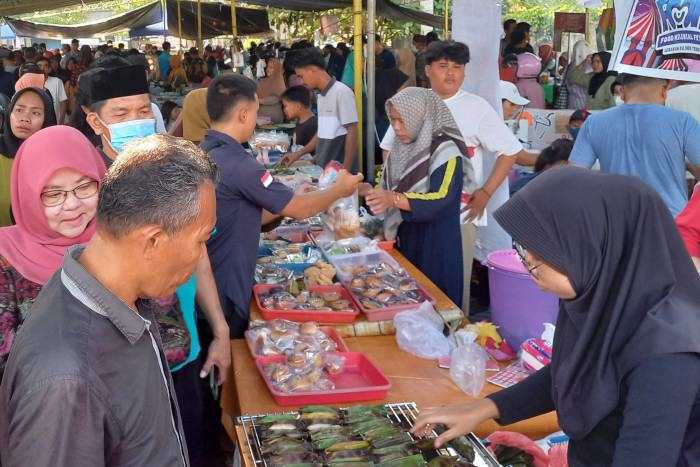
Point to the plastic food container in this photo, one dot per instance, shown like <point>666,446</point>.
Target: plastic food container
<point>341,262</point>
<point>320,316</point>
<point>386,244</point>
<point>264,251</point>
<point>360,380</point>
<point>295,237</point>
<point>380,314</point>
<point>330,331</point>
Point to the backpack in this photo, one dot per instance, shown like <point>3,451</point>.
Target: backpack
<point>198,70</point>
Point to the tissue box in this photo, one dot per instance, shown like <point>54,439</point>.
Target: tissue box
<point>536,354</point>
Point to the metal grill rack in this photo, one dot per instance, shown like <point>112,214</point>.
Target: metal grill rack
<point>405,413</point>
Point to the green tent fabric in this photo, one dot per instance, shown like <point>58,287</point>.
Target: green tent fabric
<point>21,7</point>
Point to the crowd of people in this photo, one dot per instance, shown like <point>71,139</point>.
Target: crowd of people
<point>124,222</point>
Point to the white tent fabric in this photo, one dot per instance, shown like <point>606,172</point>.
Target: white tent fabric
<point>477,23</point>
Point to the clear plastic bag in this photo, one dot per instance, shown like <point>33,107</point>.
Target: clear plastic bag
<point>419,332</point>
<point>468,368</point>
<point>342,218</point>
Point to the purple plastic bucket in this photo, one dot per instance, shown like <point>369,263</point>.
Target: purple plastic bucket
<point>518,306</point>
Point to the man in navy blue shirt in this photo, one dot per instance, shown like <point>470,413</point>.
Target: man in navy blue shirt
<point>247,196</point>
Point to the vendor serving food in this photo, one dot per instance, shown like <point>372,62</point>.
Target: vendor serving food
<point>625,372</point>
<point>247,195</point>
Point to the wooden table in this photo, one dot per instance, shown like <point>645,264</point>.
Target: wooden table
<point>413,379</point>
<point>443,303</point>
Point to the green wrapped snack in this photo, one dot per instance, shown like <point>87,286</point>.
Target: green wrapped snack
<point>415,460</point>
<point>442,461</point>
<point>346,445</point>
<point>350,455</point>
<point>399,438</point>
<point>380,432</point>
<point>319,408</point>
<point>267,419</point>
<point>393,449</point>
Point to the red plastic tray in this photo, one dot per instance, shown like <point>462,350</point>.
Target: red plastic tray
<point>294,236</point>
<point>386,244</point>
<point>389,312</point>
<point>330,331</point>
<point>310,315</point>
<point>360,380</point>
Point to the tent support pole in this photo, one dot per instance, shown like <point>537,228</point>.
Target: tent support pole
<point>234,25</point>
<point>165,14</point>
<point>371,85</point>
<point>179,26</point>
<point>447,19</point>
<point>357,48</point>
<point>199,23</point>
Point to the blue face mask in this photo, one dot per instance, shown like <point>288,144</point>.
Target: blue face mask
<point>123,132</point>
<point>574,132</point>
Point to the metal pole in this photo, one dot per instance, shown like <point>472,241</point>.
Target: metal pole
<point>234,25</point>
<point>199,24</point>
<point>179,26</point>
<point>164,20</point>
<point>447,19</point>
<point>371,85</point>
<point>357,53</point>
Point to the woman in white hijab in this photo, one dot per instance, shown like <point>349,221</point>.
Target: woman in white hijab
<point>576,93</point>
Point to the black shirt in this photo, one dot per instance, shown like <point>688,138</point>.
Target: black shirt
<point>306,131</point>
<point>656,421</point>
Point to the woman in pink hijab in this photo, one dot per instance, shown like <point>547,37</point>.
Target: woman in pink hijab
<point>546,53</point>
<point>54,200</point>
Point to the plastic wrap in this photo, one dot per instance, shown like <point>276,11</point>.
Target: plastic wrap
<point>419,332</point>
<point>468,368</point>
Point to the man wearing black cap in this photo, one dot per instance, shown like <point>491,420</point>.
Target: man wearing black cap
<point>120,108</point>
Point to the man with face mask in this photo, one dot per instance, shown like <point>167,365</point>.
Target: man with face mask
<point>120,108</point>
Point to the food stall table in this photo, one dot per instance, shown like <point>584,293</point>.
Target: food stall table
<point>413,380</point>
<point>442,302</point>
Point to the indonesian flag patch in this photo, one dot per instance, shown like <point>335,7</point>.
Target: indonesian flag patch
<point>266,179</point>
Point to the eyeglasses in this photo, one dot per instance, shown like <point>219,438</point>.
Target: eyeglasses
<point>57,197</point>
<point>521,254</point>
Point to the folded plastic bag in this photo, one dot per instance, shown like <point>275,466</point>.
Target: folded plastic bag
<point>419,332</point>
<point>468,368</point>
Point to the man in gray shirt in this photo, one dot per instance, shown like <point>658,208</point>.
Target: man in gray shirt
<point>87,382</point>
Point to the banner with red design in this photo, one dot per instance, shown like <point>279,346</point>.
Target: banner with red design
<point>661,39</point>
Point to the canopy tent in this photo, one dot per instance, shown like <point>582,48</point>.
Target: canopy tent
<point>145,15</point>
<point>148,20</point>
<point>216,21</point>
<point>385,8</point>
<point>22,7</point>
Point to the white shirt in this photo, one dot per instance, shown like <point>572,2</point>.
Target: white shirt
<point>160,125</point>
<point>481,127</point>
<point>685,98</point>
<point>58,94</point>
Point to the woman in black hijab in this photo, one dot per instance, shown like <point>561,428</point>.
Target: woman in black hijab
<point>21,119</point>
<point>598,83</point>
<point>625,371</point>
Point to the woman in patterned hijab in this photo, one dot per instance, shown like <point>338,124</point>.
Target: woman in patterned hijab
<point>426,172</point>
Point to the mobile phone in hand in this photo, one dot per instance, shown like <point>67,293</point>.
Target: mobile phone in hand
<point>214,382</point>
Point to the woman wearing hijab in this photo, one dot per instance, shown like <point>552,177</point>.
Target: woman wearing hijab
<point>177,77</point>
<point>84,62</point>
<point>598,83</point>
<point>421,187</point>
<point>546,53</point>
<point>55,201</point>
<point>270,90</point>
<point>407,64</point>
<point>625,371</point>
<point>30,110</point>
<point>575,94</point>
